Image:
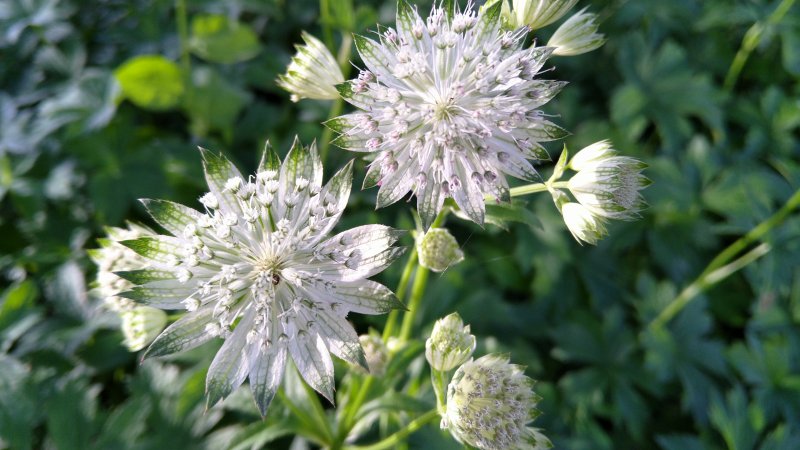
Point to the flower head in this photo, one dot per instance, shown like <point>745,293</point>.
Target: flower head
<point>438,250</point>
<point>376,353</point>
<point>313,72</point>
<point>449,106</point>
<point>489,405</point>
<point>537,14</point>
<point>257,268</point>
<point>141,325</point>
<point>583,225</point>
<point>577,35</point>
<point>450,345</point>
<point>606,184</point>
<point>114,257</point>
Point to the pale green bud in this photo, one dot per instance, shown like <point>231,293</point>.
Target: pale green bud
<point>376,353</point>
<point>438,250</point>
<point>583,225</point>
<point>489,405</point>
<point>536,13</point>
<point>313,72</point>
<point>577,35</point>
<point>450,344</point>
<point>141,325</point>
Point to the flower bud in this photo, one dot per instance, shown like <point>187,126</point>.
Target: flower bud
<point>438,250</point>
<point>577,35</point>
<point>591,154</point>
<point>141,325</point>
<point>313,72</point>
<point>489,405</point>
<point>583,225</point>
<point>376,353</point>
<point>537,14</point>
<point>450,344</point>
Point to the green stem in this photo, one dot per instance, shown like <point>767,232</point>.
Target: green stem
<point>321,433</point>
<point>720,267</point>
<point>347,422</point>
<point>183,35</point>
<point>408,270</point>
<point>343,58</point>
<point>751,40</point>
<point>704,282</point>
<point>439,381</point>
<point>395,439</point>
<point>325,18</point>
<point>537,187</point>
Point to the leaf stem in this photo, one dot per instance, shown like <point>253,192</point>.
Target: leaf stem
<point>751,40</point>
<point>720,268</point>
<point>395,439</point>
<point>537,187</point>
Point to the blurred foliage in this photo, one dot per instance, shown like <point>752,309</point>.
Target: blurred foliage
<point>103,102</point>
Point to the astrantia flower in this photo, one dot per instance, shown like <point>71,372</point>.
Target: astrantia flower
<point>141,325</point>
<point>313,72</point>
<point>606,184</point>
<point>258,269</point>
<point>489,405</point>
<point>577,35</point>
<point>450,345</point>
<point>376,353</point>
<point>583,225</point>
<point>114,257</point>
<point>537,14</point>
<point>448,107</point>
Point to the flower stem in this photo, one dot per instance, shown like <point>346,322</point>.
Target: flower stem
<point>325,18</point>
<point>183,35</point>
<point>720,267</point>
<point>395,439</point>
<point>537,187</point>
<point>347,422</point>
<point>343,58</point>
<point>408,270</point>
<point>751,40</point>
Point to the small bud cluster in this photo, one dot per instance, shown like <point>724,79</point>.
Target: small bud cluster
<point>606,186</point>
<point>376,353</point>
<point>450,345</point>
<point>577,35</point>
<point>489,404</point>
<point>438,250</point>
<point>313,72</point>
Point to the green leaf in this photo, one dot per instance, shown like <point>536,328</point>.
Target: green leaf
<point>151,82</point>
<point>213,102</point>
<point>217,38</point>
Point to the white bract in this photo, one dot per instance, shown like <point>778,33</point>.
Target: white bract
<point>449,107</point>
<point>450,345</point>
<point>536,14</point>
<point>141,325</point>
<point>114,257</point>
<point>313,72</point>
<point>258,269</point>
<point>438,250</point>
<point>376,353</point>
<point>583,225</point>
<point>577,35</point>
<point>606,184</point>
<point>489,405</point>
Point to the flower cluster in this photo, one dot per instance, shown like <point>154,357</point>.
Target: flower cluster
<point>139,324</point>
<point>438,250</point>
<point>606,186</point>
<point>489,405</point>
<point>449,107</point>
<point>258,269</point>
<point>577,35</point>
<point>450,345</point>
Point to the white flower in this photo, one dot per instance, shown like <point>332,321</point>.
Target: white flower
<point>449,106</point>
<point>606,184</point>
<point>261,272</point>
<point>577,35</point>
<point>583,225</point>
<point>313,72</point>
<point>141,325</point>
<point>450,345</point>
<point>376,353</point>
<point>114,257</point>
<point>537,14</point>
<point>438,250</point>
<point>489,405</point>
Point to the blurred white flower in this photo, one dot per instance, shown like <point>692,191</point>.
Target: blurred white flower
<point>583,225</point>
<point>536,14</point>
<point>489,405</point>
<point>438,250</point>
<point>449,106</point>
<point>376,353</point>
<point>141,325</point>
<point>577,35</point>
<point>450,345</point>
<point>258,269</point>
<point>313,72</point>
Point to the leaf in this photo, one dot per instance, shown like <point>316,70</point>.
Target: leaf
<point>213,102</point>
<point>151,82</point>
<point>217,38</point>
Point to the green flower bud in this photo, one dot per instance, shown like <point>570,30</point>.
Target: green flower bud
<point>376,353</point>
<point>313,72</point>
<point>438,250</point>
<point>450,344</point>
<point>577,35</point>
